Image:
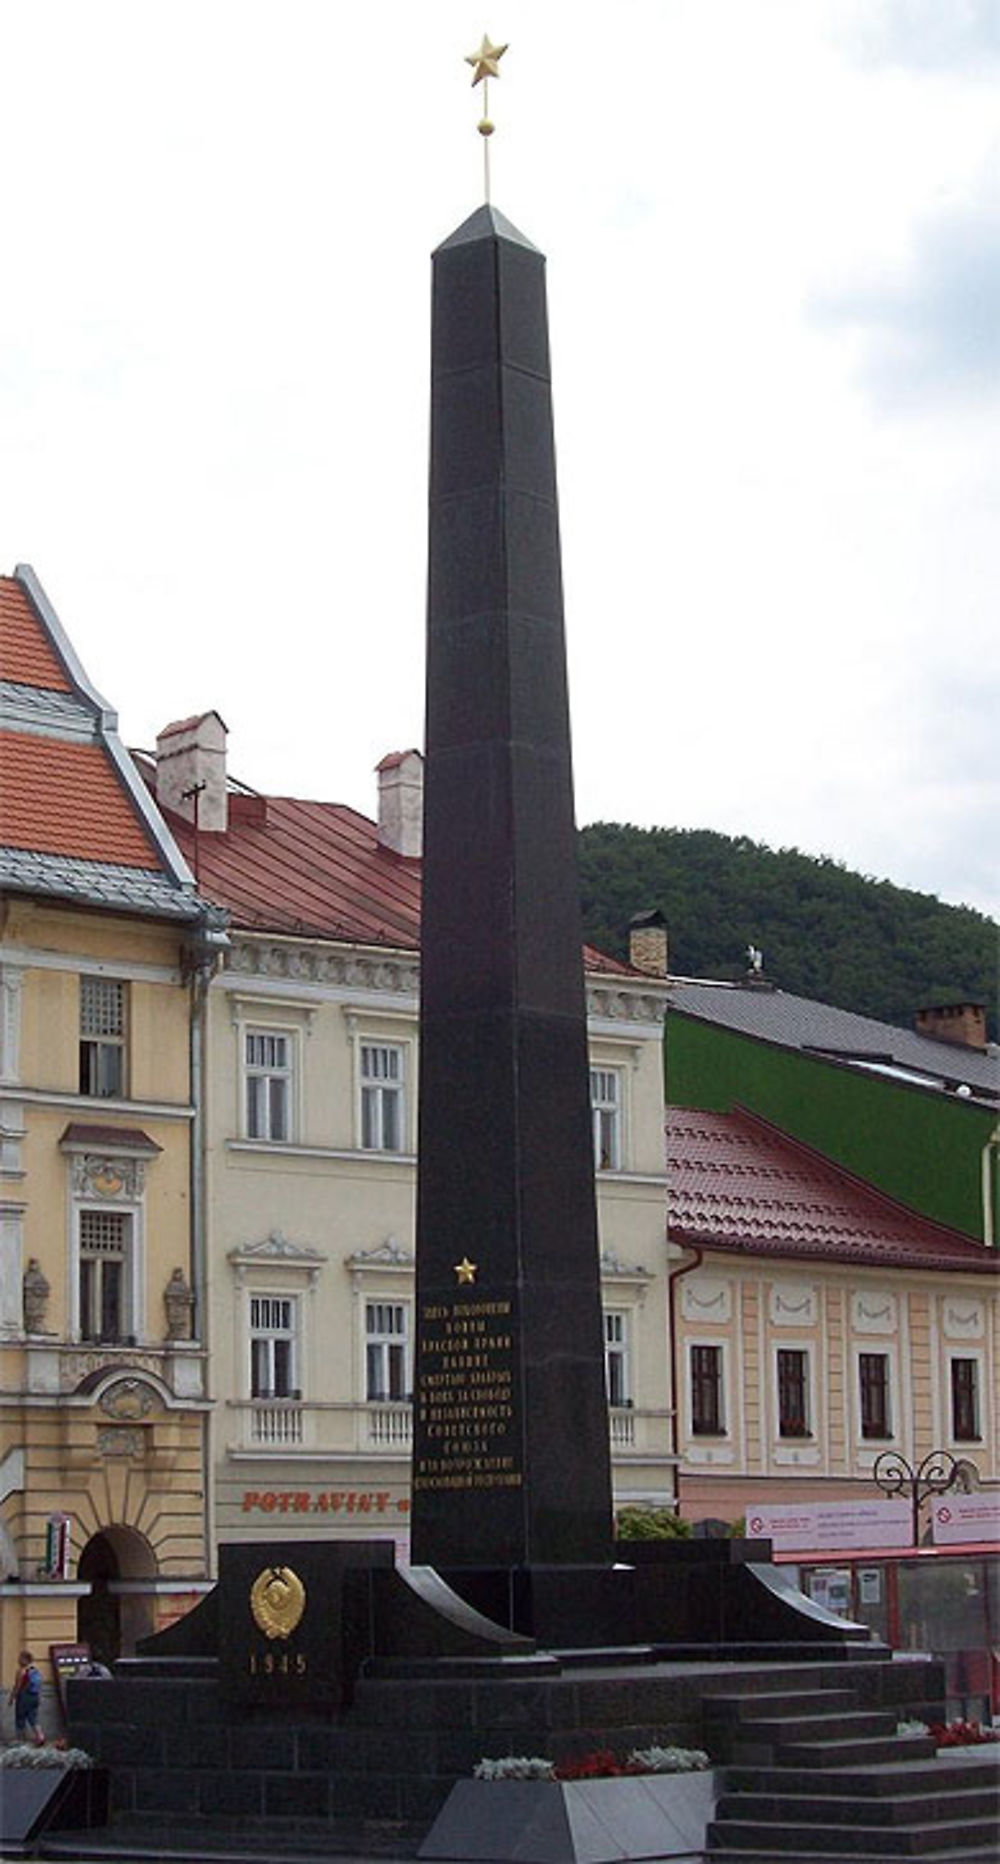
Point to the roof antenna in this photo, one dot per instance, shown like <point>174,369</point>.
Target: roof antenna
<point>194,794</point>
<point>486,63</point>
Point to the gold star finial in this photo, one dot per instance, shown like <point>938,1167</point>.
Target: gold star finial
<point>486,60</point>
<point>466,1270</point>
<point>486,65</point>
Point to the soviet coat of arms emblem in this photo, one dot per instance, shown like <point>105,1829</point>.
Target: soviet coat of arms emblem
<point>277,1601</point>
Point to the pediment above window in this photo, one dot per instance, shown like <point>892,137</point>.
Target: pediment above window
<point>387,1255</point>
<point>108,1161</point>
<point>613,1269</point>
<point>276,1247</point>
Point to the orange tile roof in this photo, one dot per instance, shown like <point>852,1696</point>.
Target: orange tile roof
<point>26,653</point>
<point>65,798</point>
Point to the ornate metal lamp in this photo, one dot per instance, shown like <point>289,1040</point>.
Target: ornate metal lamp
<point>938,1473</point>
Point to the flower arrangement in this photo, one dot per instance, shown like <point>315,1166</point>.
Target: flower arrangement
<point>600,1764</point>
<point>962,1734</point>
<point>21,1754</point>
<point>514,1767</point>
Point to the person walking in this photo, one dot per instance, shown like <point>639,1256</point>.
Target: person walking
<point>26,1696</point>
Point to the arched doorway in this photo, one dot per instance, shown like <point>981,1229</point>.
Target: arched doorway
<point>111,1617</point>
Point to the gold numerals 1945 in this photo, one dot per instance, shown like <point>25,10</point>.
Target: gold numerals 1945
<point>274,1664</point>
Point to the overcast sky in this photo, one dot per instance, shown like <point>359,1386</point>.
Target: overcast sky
<point>773,239</point>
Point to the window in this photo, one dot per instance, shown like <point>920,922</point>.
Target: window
<point>386,1352</point>
<point>616,1358</point>
<point>272,1346</point>
<point>268,1060</point>
<point>102,1037</point>
<point>103,1271</point>
<point>381,1097</point>
<point>873,1380</point>
<point>707,1415</point>
<point>605,1106</point>
<point>965,1401</point>
<point>793,1392</point>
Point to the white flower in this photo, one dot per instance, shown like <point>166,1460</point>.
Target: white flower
<point>668,1759</point>
<point>514,1767</point>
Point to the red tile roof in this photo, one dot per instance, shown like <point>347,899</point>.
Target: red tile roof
<point>59,797</point>
<point>26,653</point>
<point>313,869</point>
<point>734,1183</point>
<point>303,867</point>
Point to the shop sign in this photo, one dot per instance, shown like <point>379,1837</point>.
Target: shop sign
<point>344,1502</point>
<point>960,1518</point>
<point>847,1526</point>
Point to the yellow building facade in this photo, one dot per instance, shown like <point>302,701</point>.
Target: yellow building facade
<point>104,949</point>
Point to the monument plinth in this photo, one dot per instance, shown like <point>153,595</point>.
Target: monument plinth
<point>511,1464</point>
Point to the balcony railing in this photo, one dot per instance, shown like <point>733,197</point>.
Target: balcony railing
<point>281,1425</point>
<point>621,1420</point>
<point>276,1422</point>
<point>390,1426</point>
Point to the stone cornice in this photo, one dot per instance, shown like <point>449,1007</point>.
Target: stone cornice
<point>397,973</point>
<point>348,967</point>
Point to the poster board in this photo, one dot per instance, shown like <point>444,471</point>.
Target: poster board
<point>68,1660</point>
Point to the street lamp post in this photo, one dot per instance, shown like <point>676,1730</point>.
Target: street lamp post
<point>938,1473</point>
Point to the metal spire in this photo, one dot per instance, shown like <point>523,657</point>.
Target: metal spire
<point>486,65</point>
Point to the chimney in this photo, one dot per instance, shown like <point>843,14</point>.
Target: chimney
<point>191,771</point>
<point>963,1024</point>
<point>647,943</point>
<point>401,803</point>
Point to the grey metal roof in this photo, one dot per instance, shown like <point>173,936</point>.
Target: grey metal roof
<point>35,708</point>
<point>840,1035</point>
<point>97,883</point>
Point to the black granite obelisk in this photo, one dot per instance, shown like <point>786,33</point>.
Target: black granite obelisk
<point>511,1463</point>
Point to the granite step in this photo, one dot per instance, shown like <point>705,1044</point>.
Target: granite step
<point>857,1751</point>
<point>950,1769</point>
<point>783,1730</point>
<point>902,1808</point>
<point>801,1841</point>
<point>724,1710</point>
<point>978,1856</point>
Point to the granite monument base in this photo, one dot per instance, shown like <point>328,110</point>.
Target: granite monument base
<point>375,1775</point>
<point>712,1597</point>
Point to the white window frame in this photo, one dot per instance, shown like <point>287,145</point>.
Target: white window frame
<point>618,1357</point>
<point>286,1073</point>
<point>271,1328</point>
<point>809,1388</point>
<point>960,1444</point>
<point>691,1345</point>
<point>104,1032</point>
<point>375,1092</point>
<point>391,1345</point>
<point>131,1258</point>
<point>607,1114</point>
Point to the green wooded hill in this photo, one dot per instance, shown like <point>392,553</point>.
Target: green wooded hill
<point>825,932</point>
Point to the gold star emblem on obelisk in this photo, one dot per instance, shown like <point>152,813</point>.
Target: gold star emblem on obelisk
<point>466,1270</point>
<point>485,65</point>
<point>486,60</point>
